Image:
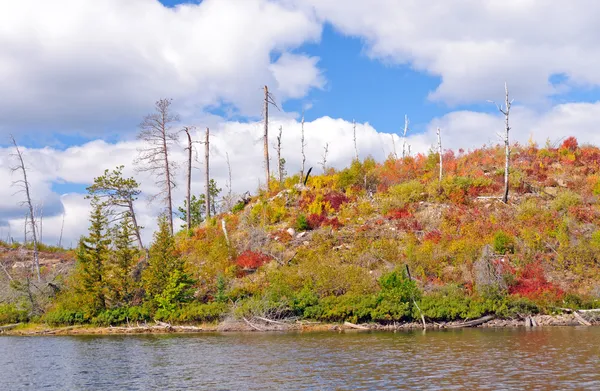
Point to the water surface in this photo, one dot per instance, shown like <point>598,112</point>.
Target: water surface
<point>549,358</point>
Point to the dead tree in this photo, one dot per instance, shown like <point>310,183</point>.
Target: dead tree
<point>394,145</point>
<point>506,112</point>
<point>188,195</point>
<point>355,146</point>
<point>404,144</point>
<point>323,163</point>
<point>280,163</point>
<point>207,171</point>
<point>302,146</point>
<point>229,184</point>
<point>24,184</point>
<point>62,227</point>
<point>268,101</point>
<point>439,137</point>
<point>154,156</point>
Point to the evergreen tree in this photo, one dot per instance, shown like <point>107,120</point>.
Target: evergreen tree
<point>122,262</point>
<point>198,205</point>
<point>196,208</point>
<point>165,280</point>
<point>92,255</point>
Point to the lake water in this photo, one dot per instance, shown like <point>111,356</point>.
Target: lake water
<point>548,358</point>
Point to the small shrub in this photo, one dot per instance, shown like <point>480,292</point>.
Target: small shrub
<point>302,223</point>
<point>503,243</point>
<point>9,313</point>
<point>251,260</point>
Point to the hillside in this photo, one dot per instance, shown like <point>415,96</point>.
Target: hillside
<point>339,248</point>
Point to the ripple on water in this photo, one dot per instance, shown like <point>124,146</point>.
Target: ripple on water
<point>557,358</point>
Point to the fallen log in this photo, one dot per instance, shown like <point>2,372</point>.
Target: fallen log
<point>580,319</point>
<point>255,327</point>
<point>472,323</point>
<point>355,326</point>
<point>592,310</point>
<point>271,321</point>
<point>9,326</point>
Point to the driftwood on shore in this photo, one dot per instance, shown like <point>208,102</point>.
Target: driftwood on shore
<point>9,327</point>
<point>355,326</point>
<point>471,323</point>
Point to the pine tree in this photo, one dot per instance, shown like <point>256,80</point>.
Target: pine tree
<point>165,280</point>
<point>122,262</point>
<point>92,255</point>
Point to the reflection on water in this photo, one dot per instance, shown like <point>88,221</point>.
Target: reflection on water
<point>551,358</point>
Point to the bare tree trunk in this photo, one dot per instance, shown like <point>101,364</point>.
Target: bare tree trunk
<point>136,227</point>
<point>404,136</point>
<point>230,185</point>
<point>324,156</point>
<point>506,112</point>
<point>266,138</point>
<point>439,137</point>
<point>62,227</point>
<point>169,188</point>
<point>207,172</point>
<point>25,184</point>
<point>303,154</point>
<point>394,144</point>
<point>355,146</point>
<point>25,230</point>
<point>188,196</point>
<point>279,164</point>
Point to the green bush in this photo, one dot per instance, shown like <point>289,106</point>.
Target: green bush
<point>504,243</point>
<point>199,312</point>
<point>64,317</point>
<point>9,313</point>
<point>566,199</point>
<point>399,196</point>
<point>238,207</point>
<point>302,223</point>
<point>122,315</point>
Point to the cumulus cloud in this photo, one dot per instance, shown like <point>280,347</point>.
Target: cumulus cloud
<point>85,65</point>
<point>475,45</point>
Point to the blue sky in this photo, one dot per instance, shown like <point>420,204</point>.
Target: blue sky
<point>78,76</point>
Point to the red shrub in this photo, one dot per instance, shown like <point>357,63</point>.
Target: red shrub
<point>532,283</point>
<point>434,236</point>
<point>570,143</point>
<point>317,220</point>
<point>335,199</point>
<point>251,260</point>
<point>399,214</point>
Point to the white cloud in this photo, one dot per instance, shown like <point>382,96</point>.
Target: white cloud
<point>475,45</point>
<point>296,74</point>
<point>85,65</point>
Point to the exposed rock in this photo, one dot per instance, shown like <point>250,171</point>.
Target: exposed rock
<point>291,231</point>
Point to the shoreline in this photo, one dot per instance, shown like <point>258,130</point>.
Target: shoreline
<point>268,326</point>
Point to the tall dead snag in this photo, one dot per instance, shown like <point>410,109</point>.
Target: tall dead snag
<point>302,145</point>
<point>266,137</point>
<point>323,163</point>
<point>268,101</point>
<point>355,146</point>
<point>404,144</point>
<point>506,112</point>
<point>188,195</point>
<point>439,137</point>
<point>207,171</point>
<point>24,184</point>
<point>394,145</point>
<point>154,156</point>
<point>280,161</point>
